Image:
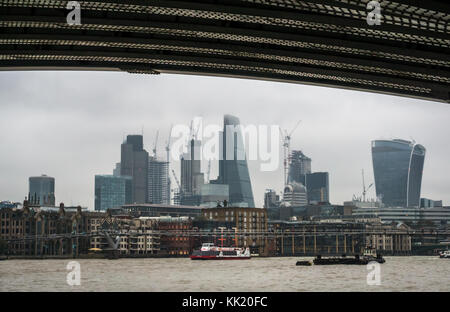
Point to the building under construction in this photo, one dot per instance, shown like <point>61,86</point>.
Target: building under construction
<point>192,178</point>
<point>158,181</point>
<point>299,167</point>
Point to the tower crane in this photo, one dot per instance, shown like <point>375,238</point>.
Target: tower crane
<point>209,171</point>
<point>156,142</point>
<point>168,162</point>
<point>168,145</point>
<point>176,180</point>
<point>287,150</point>
<point>180,190</point>
<point>364,187</point>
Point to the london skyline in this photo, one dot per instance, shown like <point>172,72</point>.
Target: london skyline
<point>70,143</point>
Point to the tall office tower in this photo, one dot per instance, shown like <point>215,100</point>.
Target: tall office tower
<point>158,184</point>
<point>192,178</point>
<point>300,166</point>
<point>317,187</point>
<point>112,191</point>
<point>271,199</point>
<point>116,170</point>
<point>233,168</point>
<point>41,190</point>
<point>134,163</point>
<point>295,194</point>
<point>398,167</point>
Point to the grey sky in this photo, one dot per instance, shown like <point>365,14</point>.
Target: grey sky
<point>70,125</point>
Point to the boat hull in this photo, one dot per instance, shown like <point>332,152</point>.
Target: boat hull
<point>360,261</point>
<point>218,258</point>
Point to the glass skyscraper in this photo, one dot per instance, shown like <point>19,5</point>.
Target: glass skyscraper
<point>317,186</point>
<point>112,191</point>
<point>41,190</point>
<point>233,168</point>
<point>134,163</point>
<point>158,181</point>
<point>398,167</point>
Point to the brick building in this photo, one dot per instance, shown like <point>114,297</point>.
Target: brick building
<point>248,225</point>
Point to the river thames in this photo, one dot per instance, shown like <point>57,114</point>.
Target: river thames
<point>257,274</point>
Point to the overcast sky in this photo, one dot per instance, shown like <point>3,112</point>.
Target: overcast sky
<point>70,125</point>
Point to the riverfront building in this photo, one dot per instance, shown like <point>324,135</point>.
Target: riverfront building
<point>311,238</point>
<point>50,224</point>
<point>435,215</point>
<point>398,167</point>
<point>248,223</point>
<point>158,210</point>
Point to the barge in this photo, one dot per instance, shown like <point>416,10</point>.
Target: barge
<point>368,256</point>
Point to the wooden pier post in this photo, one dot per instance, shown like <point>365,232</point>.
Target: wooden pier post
<point>337,243</point>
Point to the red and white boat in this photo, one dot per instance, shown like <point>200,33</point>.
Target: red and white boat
<point>211,252</point>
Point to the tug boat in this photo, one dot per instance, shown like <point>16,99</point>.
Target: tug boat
<point>210,252</point>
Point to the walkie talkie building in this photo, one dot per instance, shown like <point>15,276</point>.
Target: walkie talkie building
<point>398,167</point>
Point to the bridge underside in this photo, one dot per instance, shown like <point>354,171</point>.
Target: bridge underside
<point>323,42</point>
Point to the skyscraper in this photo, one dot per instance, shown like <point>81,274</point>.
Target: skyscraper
<point>398,167</point>
<point>112,191</point>
<point>192,178</point>
<point>116,170</point>
<point>317,187</point>
<point>233,168</point>
<point>134,163</point>
<point>271,199</point>
<point>158,184</point>
<point>41,190</point>
<point>300,166</point>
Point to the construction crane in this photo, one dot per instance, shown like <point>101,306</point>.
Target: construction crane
<point>169,182</point>
<point>156,142</point>
<point>209,171</point>
<point>191,129</point>
<point>287,150</point>
<point>180,190</point>
<point>176,180</point>
<point>364,186</point>
<point>168,145</point>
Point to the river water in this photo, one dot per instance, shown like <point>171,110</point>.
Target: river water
<point>256,274</point>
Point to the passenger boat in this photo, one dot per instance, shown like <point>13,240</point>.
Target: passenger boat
<point>210,252</point>
<point>445,254</point>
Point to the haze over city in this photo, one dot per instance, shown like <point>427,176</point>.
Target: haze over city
<point>70,125</point>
